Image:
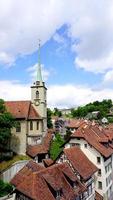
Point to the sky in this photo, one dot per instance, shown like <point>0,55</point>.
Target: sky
<point>76,50</point>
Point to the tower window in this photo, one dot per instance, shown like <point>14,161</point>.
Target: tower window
<point>37,94</point>
<point>37,125</point>
<point>31,125</point>
<point>18,127</point>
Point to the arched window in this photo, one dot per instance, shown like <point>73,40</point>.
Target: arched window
<point>37,94</point>
<point>31,125</point>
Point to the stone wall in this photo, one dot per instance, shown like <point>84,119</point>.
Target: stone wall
<point>10,172</point>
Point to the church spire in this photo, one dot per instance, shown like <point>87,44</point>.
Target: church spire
<point>39,75</point>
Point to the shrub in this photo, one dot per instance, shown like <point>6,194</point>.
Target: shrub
<point>5,188</point>
<point>55,148</point>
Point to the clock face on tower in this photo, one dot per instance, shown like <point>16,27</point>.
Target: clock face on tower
<point>37,102</point>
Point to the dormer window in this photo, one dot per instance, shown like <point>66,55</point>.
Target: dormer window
<point>74,185</point>
<point>37,94</point>
<point>58,194</point>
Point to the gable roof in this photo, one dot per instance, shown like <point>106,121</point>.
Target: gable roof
<point>22,109</point>
<point>80,162</point>
<point>74,123</point>
<point>37,184</point>
<point>95,137</point>
<point>40,148</point>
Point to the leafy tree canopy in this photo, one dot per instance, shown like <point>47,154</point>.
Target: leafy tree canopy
<point>103,108</point>
<point>57,112</point>
<point>55,148</point>
<point>49,121</point>
<point>6,123</point>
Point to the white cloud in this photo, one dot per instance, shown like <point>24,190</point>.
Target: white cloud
<point>59,38</point>
<point>90,27</point>
<point>65,96</point>
<point>108,78</point>
<point>22,23</point>
<point>13,90</point>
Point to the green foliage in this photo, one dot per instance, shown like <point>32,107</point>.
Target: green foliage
<point>103,108</point>
<point>49,121</point>
<point>110,119</point>
<point>55,148</point>
<point>5,188</point>
<point>5,164</point>
<point>57,112</point>
<point>6,123</point>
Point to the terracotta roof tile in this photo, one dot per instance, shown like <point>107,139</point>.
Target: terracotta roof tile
<point>95,137</point>
<point>80,162</point>
<point>36,185</point>
<point>21,109</point>
<point>74,123</point>
<point>98,196</point>
<point>40,148</point>
<point>48,162</point>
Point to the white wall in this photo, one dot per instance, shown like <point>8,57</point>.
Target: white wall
<point>92,154</point>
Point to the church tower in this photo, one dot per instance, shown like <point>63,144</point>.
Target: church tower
<point>38,96</point>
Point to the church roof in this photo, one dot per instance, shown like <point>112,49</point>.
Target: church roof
<point>22,109</point>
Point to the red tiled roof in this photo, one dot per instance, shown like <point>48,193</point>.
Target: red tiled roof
<point>95,137</point>
<point>74,123</point>
<point>36,185</point>
<point>98,196</point>
<point>48,162</point>
<point>22,109</point>
<point>40,148</point>
<point>27,170</point>
<point>80,162</point>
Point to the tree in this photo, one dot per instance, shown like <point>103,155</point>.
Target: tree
<point>49,121</point>
<point>6,123</point>
<point>55,148</point>
<point>57,112</point>
<point>103,108</point>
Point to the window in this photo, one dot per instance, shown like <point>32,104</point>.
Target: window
<point>72,144</point>
<point>99,172</point>
<point>31,125</point>
<point>37,125</point>
<point>18,127</point>
<point>98,160</point>
<point>77,144</point>
<point>85,145</point>
<point>89,190</point>
<point>106,181</point>
<point>100,185</point>
<point>37,94</point>
<point>106,169</point>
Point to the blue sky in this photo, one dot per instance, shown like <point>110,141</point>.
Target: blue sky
<point>76,49</point>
